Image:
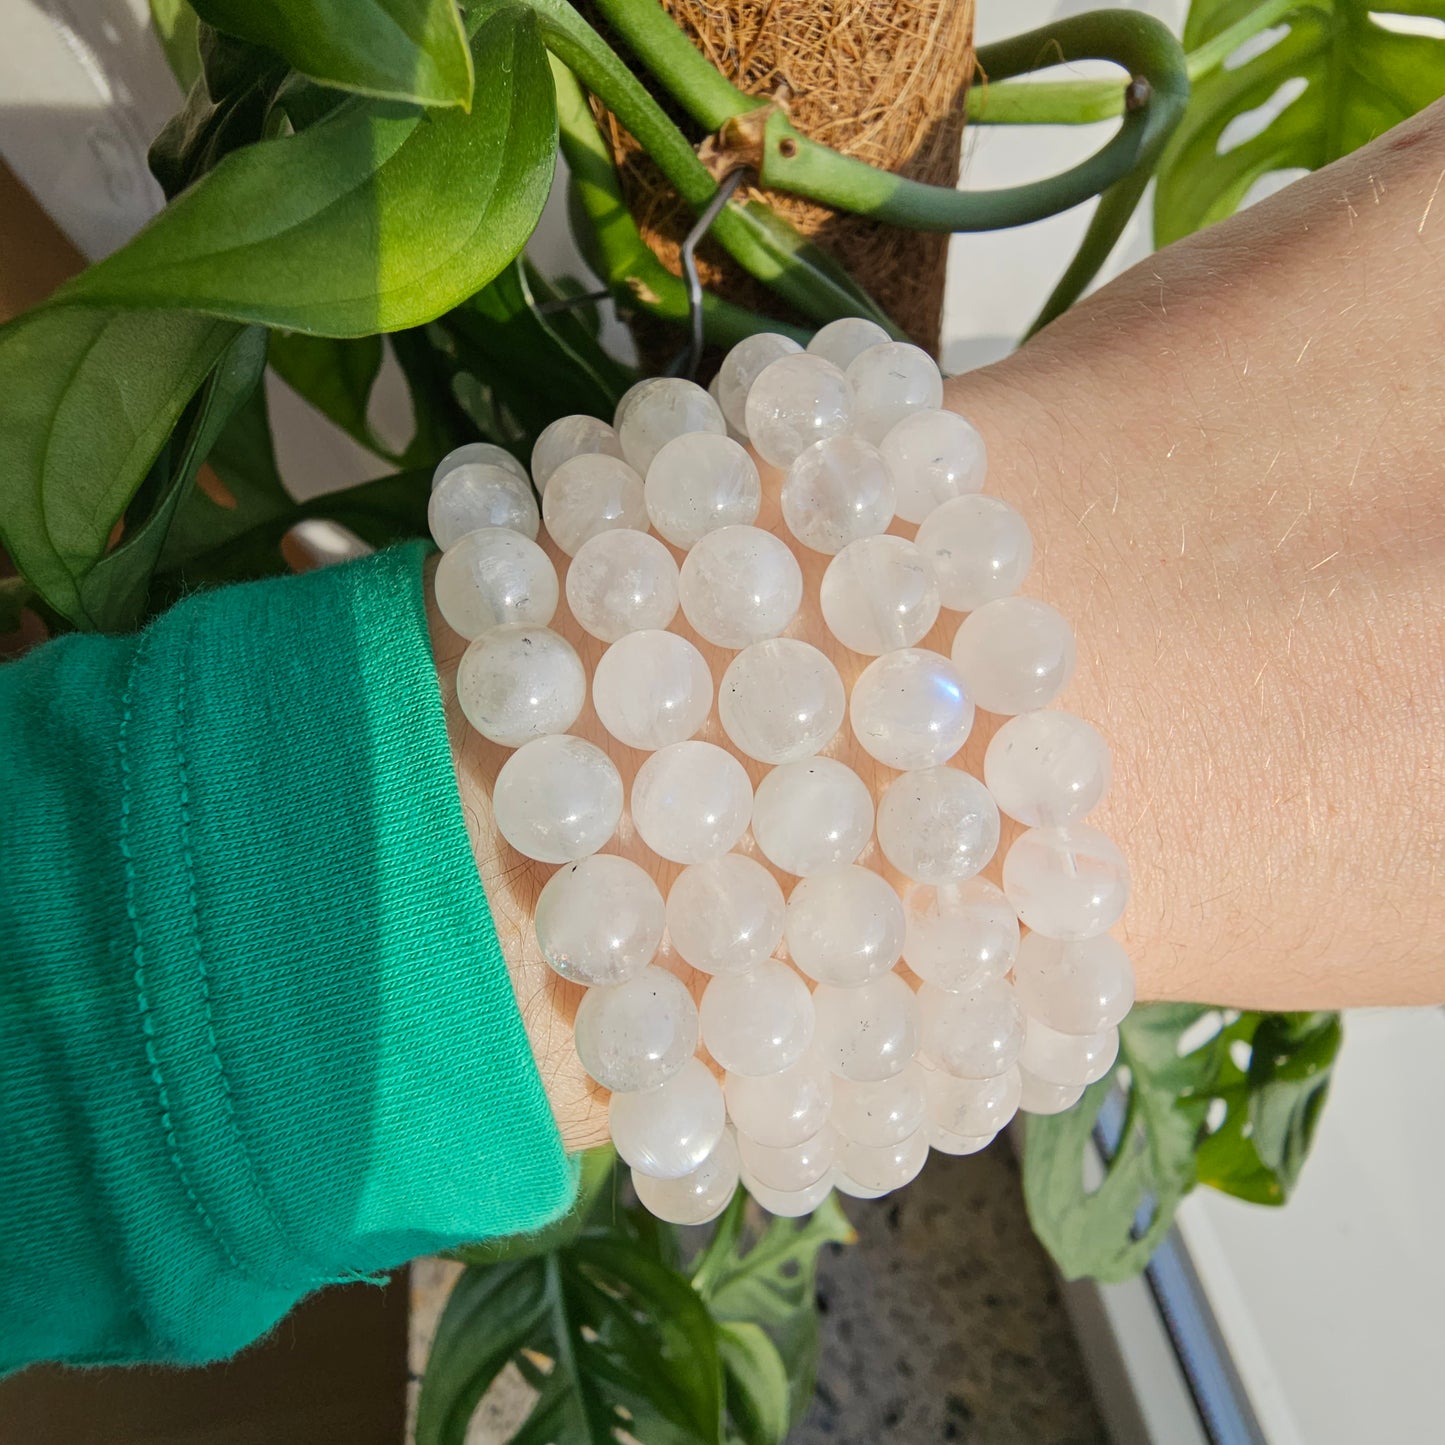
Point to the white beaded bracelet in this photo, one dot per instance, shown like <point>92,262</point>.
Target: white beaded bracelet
<point>839,1070</point>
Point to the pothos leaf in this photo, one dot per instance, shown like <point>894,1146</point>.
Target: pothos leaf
<point>335,375</point>
<point>1341,76</point>
<point>758,1390</point>
<point>175,26</point>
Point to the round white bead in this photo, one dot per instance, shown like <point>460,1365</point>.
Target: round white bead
<point>836,492</point>
<point>638,1034</point>
<point>933,455</point>
<point>736,433</point>
<point>866,1033</point>
<point>1047,768</point>
<point>937,825</point>
<point>1077,988</point>
<point>887,382</point>
<point>668,1131</point>
<point>788,1203</point>
<point>700,482</point>
<point>781,700</point>
<point>742,366</point>
<point>651,689</point>
<point>568,437</point>
<point>758,1022</point>
<point>625,401</point>
<point>883,1112</point>
<point>599,920</point>
<point>691,801</point>
<point>979,548</point>
<point>976,1034</point>
<point>844,927</point>
<point>725,915</point>
<point>885,1167</point>
<point>811,816</point>
<point>910,709</point>
<point>794,1168</point>
<point>592,494</point>
<point>493,577</point>
<point>477,495</point>
<point>1015,654</point>
<point>739,585</point>
<point>844,1185</point>
<point>480,454</point>
<point>622,581</point>
<point>664,408</point>
<point>1071,1060</point>
<point>782,1109</point>
<point>976,1108</point>
<point>840,341</point>
<point>1038,1097</point>
<point>517,683</point>
<point>557,799</point>
<point>796,401</point>
<point>959,935</point>
<point>1067,883</point>
<point>879,593</point>
<point>697,1197</point>
<point>947,1143</point>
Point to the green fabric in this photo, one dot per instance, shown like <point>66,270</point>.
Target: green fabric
<point>256,1032</point>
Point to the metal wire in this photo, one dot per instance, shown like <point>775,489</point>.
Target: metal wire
<point>689,361</point>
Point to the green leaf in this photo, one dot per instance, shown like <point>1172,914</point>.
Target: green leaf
<point>335,375</point>
<point>91,395</point>
<point>1359,79</point>
<point>377,217</point>
<point>757,1383</point>
<point>14,594</point>
<point>413,50</point>
<point>176,27</point>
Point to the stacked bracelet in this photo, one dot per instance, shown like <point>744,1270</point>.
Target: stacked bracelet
<point>856,1024</point>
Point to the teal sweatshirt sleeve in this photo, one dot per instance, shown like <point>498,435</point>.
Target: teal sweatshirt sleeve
<point>256,1031</point>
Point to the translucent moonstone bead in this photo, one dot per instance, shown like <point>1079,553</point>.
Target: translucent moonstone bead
<point>1070,1060</point>
<point>725,915</point>
<point>1077,988</point>
<point>638,1034</point>
<point>884,1112</point>
<point>568,437</point>
<point>794,402</point>
<point>910,709</point>
<point>787,1203</point>
<point>885,1167</point>
<point>976,1034</point>
<point>757,1022</point>
<point>516,683</point>
<point>1047,768</point>
<point>844,927</point>
<point>781,700</point>
<point>979,548</point>
<point>668,1131</point>
<point>937,825</point>
<point>1068,883</point>
<point>1038,1097</point>
<point>887,382</point>
<point>812,815</point>
<point>691,801</point>
<point>976,1108</point>
<point>1015,654</point>
<point>696,1197</point>
<point>933,455</point>
<point>793,1168</point>
<point>959,935</point>
<point>782,1109</point>
<point>699,482</point>
<point>621,581</point>
<point>627,398</point>
<point>840,341</point>
<point>836,492</point>
<point>479,495</point>
<point>741,368</point>
<point>663,408</point>
<point>879,593</point>
<point>651,689</point>
<point>482,454</point>
<point>492,577</point>
<point>740,585</point>
<point>599,921</point>
<point>866,1033</point>
<point>591,494</point>
<point>947,1143</point>
<point>557,799</point>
